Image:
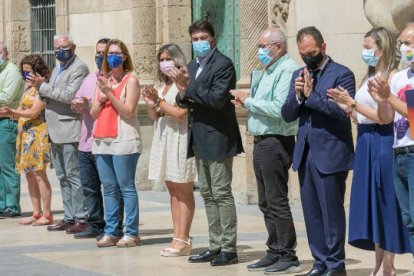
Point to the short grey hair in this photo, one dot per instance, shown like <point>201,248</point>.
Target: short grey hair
<point>68,37</point>
<point>276,35</point>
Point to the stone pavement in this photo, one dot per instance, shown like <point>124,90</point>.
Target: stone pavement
<point>28,250</point>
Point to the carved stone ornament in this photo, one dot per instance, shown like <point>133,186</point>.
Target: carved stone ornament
<point>280,13</point>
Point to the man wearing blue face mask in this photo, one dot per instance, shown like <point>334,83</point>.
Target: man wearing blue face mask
<point>213,138</point>
<point>64,130</point>
<point>274,141</point>
<point>87,164</point>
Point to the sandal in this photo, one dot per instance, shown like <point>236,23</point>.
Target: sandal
<point>175,252</point>
<point>128,241</point>
<point>44,220</point>
<point>30,220</point>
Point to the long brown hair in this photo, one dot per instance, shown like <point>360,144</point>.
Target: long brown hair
<point>126,65</point>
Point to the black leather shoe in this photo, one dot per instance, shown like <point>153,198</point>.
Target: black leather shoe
<point>225,258</point>
<point>313,272</point>
<point>284,266</point>
<point>88,234</point>
<point>263,263</point>
<point>204,256</point>
<point>10,214</point>
<point>334,273</point>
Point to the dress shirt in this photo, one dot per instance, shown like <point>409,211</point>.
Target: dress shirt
<point>11,85</point>
<point>264,108</point>
<point>87,90</point>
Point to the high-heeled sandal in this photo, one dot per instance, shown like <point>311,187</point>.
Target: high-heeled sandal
<point>30,220</point>
<point>43,220</point>
<point>175,252</point>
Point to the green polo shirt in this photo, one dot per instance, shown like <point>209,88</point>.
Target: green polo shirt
<point>265,106</point>
<point>11,85</point>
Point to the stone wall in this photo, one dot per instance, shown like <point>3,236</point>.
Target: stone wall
<point>145,25</point>
<point>15,27</point>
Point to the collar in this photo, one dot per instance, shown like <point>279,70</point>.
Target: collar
<point>323,65</point>
<point>203,60</point>
<point>277,62</point>
<point>4,65</point>
<point>410,73</point>
<point>64,66</point>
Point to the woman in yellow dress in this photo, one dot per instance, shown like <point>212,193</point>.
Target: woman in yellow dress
<point>32,143</point>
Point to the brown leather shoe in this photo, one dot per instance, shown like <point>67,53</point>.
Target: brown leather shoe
<point>76,228</point>
<point>61,226</point>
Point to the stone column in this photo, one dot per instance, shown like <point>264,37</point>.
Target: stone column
<point>62,16</point>
<point>173,19</point>
<point>15,28</point>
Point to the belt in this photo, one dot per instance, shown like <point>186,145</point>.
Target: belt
<point>259,138</point>
<point>404,150</point>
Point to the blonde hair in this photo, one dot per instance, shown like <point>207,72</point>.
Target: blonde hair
<point>387,61</point>
<point>177,56</point>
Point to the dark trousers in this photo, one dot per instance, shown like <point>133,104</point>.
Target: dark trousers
<point>323,209</point>
<point>272,157</point>
<point>91,189</point>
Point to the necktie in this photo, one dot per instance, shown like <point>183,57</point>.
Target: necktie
<point>314,77</point>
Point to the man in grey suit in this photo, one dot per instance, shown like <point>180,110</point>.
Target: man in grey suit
<point>64,130</point>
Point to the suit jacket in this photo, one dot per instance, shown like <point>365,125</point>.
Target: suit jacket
<point>323,125</point>
<point>213,131</point>
<point>63,124</point>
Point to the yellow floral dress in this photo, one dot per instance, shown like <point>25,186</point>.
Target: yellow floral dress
<point>32,142</point>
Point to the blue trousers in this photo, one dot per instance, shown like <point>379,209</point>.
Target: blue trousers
<point>322,198</point>
<point>117,174</point>
<point>404,190</point>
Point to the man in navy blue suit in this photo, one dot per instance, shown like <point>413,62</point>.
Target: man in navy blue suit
<point>324,150</point>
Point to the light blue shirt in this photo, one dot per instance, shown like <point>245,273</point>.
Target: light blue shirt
<point>265,106</point>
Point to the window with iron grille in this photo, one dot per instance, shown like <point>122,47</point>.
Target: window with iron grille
<point>43,28</point>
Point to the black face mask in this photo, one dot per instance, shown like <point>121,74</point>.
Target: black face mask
<point>312,62</point>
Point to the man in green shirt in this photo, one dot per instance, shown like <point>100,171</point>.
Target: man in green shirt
<point>274,141</point>
<point>11,90</point>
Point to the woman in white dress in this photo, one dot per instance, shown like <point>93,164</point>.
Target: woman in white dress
<point>168,159</point>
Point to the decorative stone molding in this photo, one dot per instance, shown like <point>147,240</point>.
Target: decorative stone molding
<point>280,13</point>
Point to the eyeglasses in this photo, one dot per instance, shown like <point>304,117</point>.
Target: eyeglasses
<point>101,53</point>
<point>115,53</point>
<point>62,48</point>
<point>266,45</point>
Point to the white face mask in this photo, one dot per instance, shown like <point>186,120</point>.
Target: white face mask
<point>407,53</point>
<point>1,60</point>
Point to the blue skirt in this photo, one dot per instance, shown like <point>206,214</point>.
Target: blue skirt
<point>375,217</point>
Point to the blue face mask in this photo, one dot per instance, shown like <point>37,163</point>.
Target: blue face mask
<point>98,61</point>
<point>368,56</point>
<point>201,48</point>
<point>264,56</point>
<point>64,55</point>
<point>114,61</point>
<point>25,75</point>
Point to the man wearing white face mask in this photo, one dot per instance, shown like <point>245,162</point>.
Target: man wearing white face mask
<point>11,89</point>
<point>395,95</point>
<point>274,141</point>
<point>213,138</point>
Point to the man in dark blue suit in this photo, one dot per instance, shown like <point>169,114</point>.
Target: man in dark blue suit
<point>324,150</point>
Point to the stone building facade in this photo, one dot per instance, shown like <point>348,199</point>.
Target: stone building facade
<point>144,25</point>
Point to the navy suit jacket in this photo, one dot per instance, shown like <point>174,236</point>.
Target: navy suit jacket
<point>322,123</point>
<point>213,131</point>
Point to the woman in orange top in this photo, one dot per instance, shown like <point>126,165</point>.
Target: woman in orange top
<point>117,143</point>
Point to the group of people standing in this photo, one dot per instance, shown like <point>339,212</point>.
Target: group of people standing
<point>86,125</point>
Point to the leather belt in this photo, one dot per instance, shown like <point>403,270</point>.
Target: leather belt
<point>404,150</point>
<point>259,138</point>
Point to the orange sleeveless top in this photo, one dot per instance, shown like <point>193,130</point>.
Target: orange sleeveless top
<point>106,125</point>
